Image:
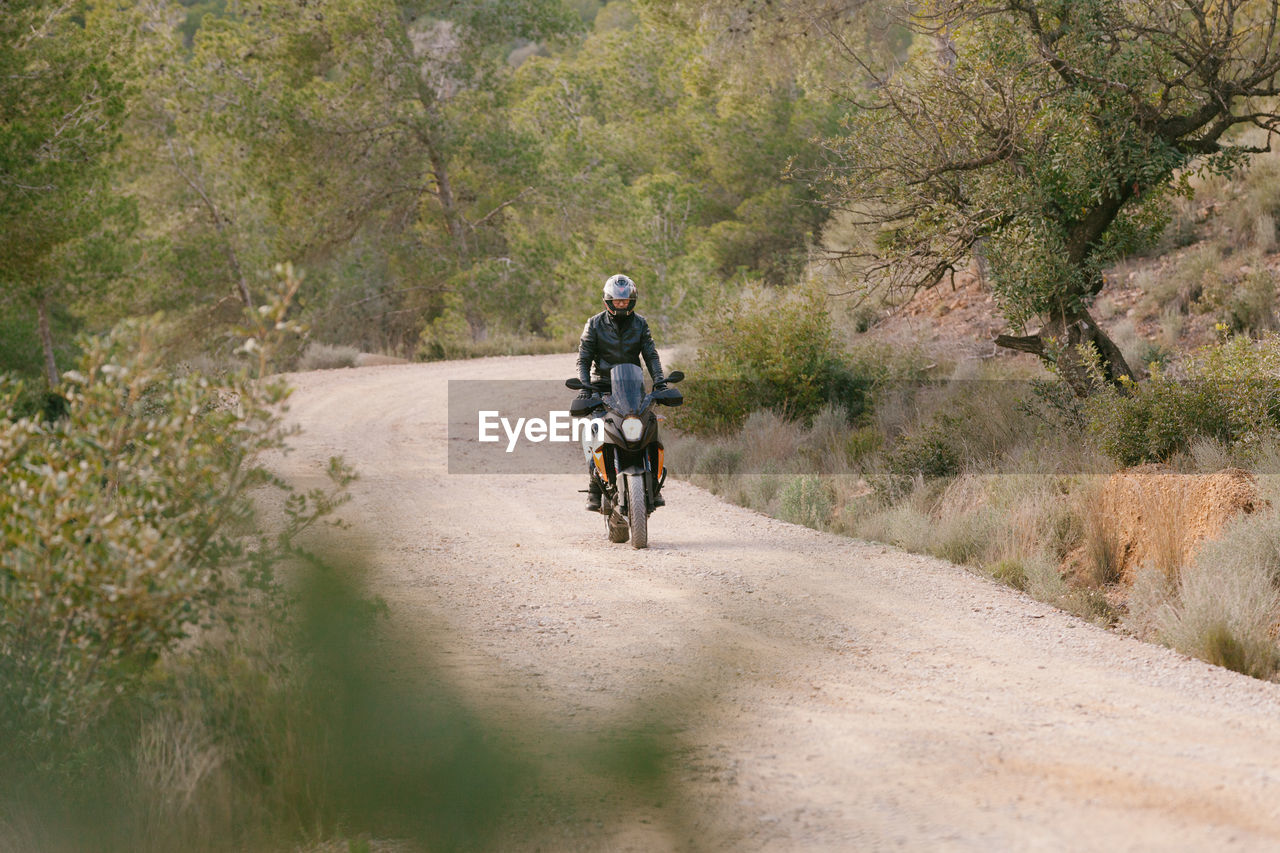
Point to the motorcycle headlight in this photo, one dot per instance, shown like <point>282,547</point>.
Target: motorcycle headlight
<point>632,429</point>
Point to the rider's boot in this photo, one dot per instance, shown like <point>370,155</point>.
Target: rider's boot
<point>593,495</point>
<point>657,497</point>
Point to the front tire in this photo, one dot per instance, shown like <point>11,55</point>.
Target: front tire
<point>637,512</point>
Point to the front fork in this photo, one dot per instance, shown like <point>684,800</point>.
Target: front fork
<point>622,494</point>
<point>609,492</point>
<point>615,496</point>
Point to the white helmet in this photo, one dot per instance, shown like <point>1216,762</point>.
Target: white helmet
<point>620,287</point>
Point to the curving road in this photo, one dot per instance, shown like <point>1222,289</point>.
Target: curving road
<point>850,696</point>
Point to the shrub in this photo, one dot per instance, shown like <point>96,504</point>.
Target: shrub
<point>862,442</point>
<point>1231,395</point>
<point>778,355</point>
<point>806,500</point>
<point>1157,419</point>
<point>318,356</point>
<point>930,453</point>
<point>124,526</point>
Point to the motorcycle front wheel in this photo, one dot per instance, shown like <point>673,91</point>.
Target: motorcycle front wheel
<point>636,512</point>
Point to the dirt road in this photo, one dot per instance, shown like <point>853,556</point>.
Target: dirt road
<point>858,698</point>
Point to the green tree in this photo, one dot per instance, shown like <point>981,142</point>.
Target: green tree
<point>62,94</point>
<point>1048,136</point>
<point>366,140</point>
<point>660,162</point>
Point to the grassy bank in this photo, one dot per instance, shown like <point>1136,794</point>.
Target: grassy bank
<point>1000,469</point>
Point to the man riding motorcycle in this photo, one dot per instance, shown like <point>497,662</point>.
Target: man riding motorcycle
<point>617,335</point>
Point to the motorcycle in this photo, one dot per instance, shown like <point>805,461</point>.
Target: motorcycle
<point>626,457</point>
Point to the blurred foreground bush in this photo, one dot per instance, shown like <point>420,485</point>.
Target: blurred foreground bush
<point>302,731</point>
<point>161,688</point>
<point>125,526</point>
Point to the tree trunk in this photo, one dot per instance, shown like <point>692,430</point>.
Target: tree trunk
<point>46,342</point>
<point>196,183</point>
<point>1083,355</point>
<point>444,192</point>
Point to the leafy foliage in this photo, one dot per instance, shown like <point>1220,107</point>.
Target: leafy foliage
<point>931,453</point>
<point>448,173</point>
<point>1230,394</point>
<point>62,105</point>
<point>128,524</point>
<point>769,354</point>
<point>62,96</point>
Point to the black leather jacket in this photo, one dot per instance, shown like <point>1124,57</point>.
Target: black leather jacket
<point>607,341</point>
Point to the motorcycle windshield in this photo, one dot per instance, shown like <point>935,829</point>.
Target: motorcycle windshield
<point>628,388</point>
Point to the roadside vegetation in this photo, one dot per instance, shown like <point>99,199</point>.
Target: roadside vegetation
<point>1114,214</point>
<point>996,464</point>
<point>457,179</point>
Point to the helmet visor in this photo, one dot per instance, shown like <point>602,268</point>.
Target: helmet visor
<point>622,304</point>
<point>619,287</point>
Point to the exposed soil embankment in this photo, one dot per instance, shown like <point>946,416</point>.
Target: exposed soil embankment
<point>1158,516</point>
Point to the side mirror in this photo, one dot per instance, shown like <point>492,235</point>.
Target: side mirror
<point>675,376</point>
<point>575,383</point>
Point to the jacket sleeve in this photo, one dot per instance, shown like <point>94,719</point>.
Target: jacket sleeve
<point>650,352</point>
<point>586,353</point>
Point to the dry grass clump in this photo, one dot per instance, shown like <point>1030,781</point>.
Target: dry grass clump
<point>902,525</point>
<point>1208,455</point>
<point>1103,559</point>
<point>1222,607</point>
<point>951,521</point>
<point>806,499</point>
<point>1166,526</point>
<point>318,356</point>
<point>770,441</point>
<point>1224,617</point>
<point>1181,288</point>
<point>1242,295</point>
<point>977,520</point>
<point>1250,218</point>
